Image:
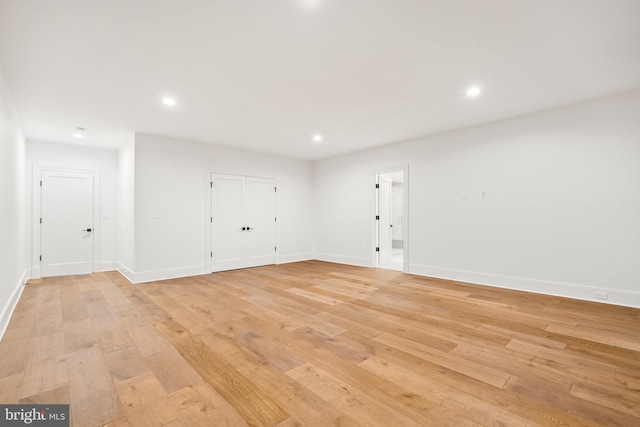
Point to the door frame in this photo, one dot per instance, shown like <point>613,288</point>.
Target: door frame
<point>208,214</point>
<point>405,214</point>
<point>36,211</point>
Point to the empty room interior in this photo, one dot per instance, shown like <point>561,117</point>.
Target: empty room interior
<point>320,212</point>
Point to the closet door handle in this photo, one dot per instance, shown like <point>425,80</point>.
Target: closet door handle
<point>249,228</point>
<point>244,228</point>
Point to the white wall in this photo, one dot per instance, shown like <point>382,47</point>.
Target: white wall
<point>172,203</point>
<point>13,241</point>
<point>104,163</point>
<point>561,216</point>
<point>126,206</point>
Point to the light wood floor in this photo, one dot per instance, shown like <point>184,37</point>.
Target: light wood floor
<point>318,344</point>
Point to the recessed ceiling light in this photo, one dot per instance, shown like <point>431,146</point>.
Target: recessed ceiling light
<point>168,101</point>
<point>317,137</point>
<point>79,133</point>
<point>473,91</point>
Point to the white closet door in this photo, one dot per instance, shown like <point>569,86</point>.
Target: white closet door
<point>227,196</point>
<point>243,216</point>
<point>260,220</point>
<point>67,223</point>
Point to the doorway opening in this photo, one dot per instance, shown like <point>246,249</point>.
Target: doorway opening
<point>391,205</point>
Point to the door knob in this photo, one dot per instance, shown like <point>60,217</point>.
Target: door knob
<point>244,228</point>
<point>88,230</point>
<point>249,228</point>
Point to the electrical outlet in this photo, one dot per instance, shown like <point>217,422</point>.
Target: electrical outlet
<point>600,295</point>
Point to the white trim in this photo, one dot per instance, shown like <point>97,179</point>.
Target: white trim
<point>286,259</point>
<point>164,274</point>
<point>208,218</point>
<point>36,211</point>
<point>567,290</point>
<point>342,259</point>
<point>106,266</point>
<point>35,271</point>
<point>7,311</point>
<point>405,214</point>
<point>126,272</point>
<point>208,263</point>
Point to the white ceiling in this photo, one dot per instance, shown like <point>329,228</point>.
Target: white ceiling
<point>267,74</point>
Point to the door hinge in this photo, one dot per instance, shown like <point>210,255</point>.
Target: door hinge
<point>377,217</point>
<point>40,220</point>
<point>377,249</point>
<point>40,257</point>
<point>377,185</point>
<point>211,219</point>
<point>275,219</point>
<point>211,254</point>
<point>275,189</point>
<point>275,248</point>
<point>211,184</point>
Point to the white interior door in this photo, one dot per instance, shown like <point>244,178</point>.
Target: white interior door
<point>260,219</point>
<point>66,223</point>
<point>243,221</point>
<point>384,223</point>
<point>227,199</point>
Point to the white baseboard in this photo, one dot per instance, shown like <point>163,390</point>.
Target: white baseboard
<point>7,310</point>
<point>106,266</point>
<point>97,266</point>
<point>568,290</point>
<point>155,275</point>
<point>341,259</point>
<point>126,272</point>
<point>285,259</point>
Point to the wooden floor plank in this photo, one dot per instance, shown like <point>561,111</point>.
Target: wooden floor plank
<point>79,335</point>
<point>608,396</point>
<point>56,396</point>
<point>114,339</point>
<point>145,401</point>
<point>419,407</point>
<point>126,363</point>
<point>148,340</point>
<point>199,405</point>
<point>10,388</point>
<point>46,368</point>
<point>475,409</point>
<point>253,405</point>
<point>13,353</point>
<point>545,393</point>
<point>516,363</point>
<point>92,394</point>
<point>487,374</point>
<point>599,335</point>
<point>171,370</point>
